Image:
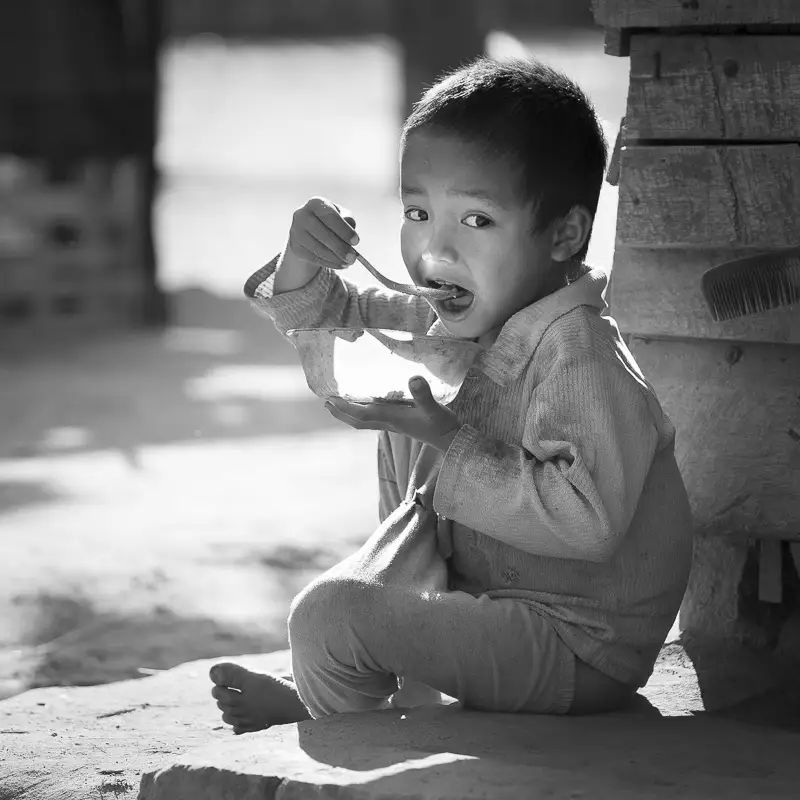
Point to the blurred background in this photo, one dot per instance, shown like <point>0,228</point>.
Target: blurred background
<point>167,480</point>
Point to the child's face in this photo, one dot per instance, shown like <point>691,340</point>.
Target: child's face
<point>464,225</point>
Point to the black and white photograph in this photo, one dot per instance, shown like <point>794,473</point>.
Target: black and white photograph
<point>399,399</point>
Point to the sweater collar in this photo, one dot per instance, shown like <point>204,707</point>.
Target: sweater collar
<point>518,339</point>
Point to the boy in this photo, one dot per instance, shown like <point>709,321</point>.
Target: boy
<point>535,536</point>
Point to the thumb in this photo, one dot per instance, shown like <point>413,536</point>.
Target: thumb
<point>421,392</point>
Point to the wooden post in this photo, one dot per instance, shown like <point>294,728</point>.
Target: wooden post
<point>435,37</point>
<point>144,23</point>
<point>709,171</point>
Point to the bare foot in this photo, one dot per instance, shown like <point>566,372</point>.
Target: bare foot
<point>251,701</point>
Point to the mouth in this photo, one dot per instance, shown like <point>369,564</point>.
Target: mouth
<point>456,306</point>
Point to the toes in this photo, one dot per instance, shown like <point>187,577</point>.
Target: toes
<point>229,718</point>
<point>229,674</point>
<point>248,726</point>
<point>240,723</point>
<point>226,696</point>
<point>238,731</point>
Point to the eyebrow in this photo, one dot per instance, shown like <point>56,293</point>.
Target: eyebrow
<point>474,192</point>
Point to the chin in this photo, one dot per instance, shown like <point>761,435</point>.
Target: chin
<point>465,329</point>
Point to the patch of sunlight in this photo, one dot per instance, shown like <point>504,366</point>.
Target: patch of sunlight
<point>231,415</point>
<point>675,631</point>
<point>261,382</point>
<point>211,341</point>
<point>423,762</point>
<point>65,438</point>
<point>220,103</point>
<point>502,45</point>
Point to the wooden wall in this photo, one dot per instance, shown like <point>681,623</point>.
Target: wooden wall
<point>710,171</point>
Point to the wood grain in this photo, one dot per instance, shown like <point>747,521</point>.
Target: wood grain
<point>675,13</point>
<point>770,571</point>
<point>736,409</point>
<point>714,87</point>
<point>617,43</point>
<point>694,196</point>
<point>657,293</point>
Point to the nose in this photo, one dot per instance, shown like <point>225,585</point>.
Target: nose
<point>440,248</point>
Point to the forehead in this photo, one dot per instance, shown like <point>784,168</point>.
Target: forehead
<point>434,161</point>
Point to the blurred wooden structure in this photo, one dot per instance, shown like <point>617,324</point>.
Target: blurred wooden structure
<point>437,37</point>
<point>434,36</point>
<point>709,171</point>
<point>78,99</point>
<point>265,19</point>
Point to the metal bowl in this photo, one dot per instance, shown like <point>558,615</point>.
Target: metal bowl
<point>366,365</point>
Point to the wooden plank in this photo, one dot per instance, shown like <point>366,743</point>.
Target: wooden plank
<point>612,175</point>
<point>657,293</point>
<point>794,549</point>
<point>680,13</point>
<point>736,410</point>
<point>434,38</point>
<point>714,87</point>
<point>617,43</point>
<point>770,571</point>
<point>711,196</point>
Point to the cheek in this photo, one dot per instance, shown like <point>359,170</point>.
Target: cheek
<point>489,257</point>
<point>410,245</point>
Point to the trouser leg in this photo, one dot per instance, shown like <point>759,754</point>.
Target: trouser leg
<point>386,612</point>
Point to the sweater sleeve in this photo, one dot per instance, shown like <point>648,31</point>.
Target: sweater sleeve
<point>571,489</point>
<point>330,301</point>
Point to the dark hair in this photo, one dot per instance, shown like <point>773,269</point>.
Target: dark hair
<point>532,114</point>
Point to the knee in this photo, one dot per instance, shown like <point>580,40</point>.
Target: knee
<point>326,607</point>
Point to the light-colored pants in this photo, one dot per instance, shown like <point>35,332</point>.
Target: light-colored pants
<point>385,613</point>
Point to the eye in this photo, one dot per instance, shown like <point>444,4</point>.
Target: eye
<point>415,214</point>
<point>477,221</point>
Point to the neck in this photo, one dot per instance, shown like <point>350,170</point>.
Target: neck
<point>490,337</point>
<point>558,280</point>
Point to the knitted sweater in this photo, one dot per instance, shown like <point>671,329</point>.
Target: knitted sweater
<point>561,488</point>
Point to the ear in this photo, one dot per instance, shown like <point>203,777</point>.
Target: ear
<point>571,233</point>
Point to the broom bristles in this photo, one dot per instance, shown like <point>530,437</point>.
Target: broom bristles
<point>752,285</point>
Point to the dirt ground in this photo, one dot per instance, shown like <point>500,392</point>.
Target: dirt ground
<point>164,496</point>
<point>98,742</point>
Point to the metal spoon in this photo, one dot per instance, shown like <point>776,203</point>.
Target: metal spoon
<point>408,288</point>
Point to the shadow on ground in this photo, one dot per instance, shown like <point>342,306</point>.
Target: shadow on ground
<point>67,642</point>
<point>754,685</point>
<point>611,755</point>
<point>19,494</point>
<point>220,370</point>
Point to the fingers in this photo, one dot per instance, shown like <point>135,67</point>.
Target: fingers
<point>340,409</point>
<point>347,217</point>
<point>314,257</point>
<point>321,235</point>
<point>328,242</point>
<point>365,416</point>
<point>420,390</point>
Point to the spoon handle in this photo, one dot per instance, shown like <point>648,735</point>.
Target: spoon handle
<point>406,288</point>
